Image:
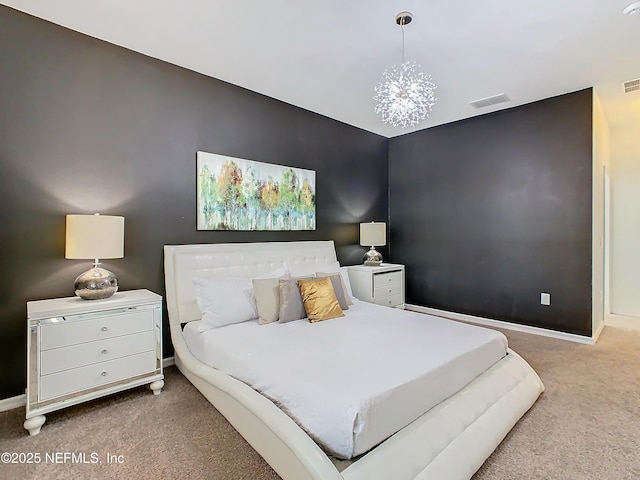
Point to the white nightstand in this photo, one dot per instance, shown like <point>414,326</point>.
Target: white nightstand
<point>78,350</point>
<point>383,285</point>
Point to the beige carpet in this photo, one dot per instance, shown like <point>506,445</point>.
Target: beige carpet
<point>585,426</point>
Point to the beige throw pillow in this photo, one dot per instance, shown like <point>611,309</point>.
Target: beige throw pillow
<point>267,295</point>
<point>343,287</point>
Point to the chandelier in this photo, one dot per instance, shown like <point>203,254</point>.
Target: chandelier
<point>405,96</point>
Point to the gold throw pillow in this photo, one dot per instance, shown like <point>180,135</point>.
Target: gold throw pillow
<point>319,299</point>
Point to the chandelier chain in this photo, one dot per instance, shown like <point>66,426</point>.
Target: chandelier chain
<point>402,28</point>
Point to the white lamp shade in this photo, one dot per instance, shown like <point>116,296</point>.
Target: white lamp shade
<point>373,234</point>
<point>94,236</point>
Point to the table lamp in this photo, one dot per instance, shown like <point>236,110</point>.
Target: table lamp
<point>95,237</point>
<point>373,234</point>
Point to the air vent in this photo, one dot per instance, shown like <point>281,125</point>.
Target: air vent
<point>486,102</point>
<point>632,86</point>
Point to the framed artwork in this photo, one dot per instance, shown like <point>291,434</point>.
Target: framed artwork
<point>238,194</point>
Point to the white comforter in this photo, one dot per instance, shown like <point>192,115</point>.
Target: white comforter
<point>351,382</point>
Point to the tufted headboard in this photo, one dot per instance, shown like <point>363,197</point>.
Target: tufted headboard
<point>183,262</point>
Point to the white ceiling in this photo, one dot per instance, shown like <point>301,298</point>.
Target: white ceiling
<point>326,56</point>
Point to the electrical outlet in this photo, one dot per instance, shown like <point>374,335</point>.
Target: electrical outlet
<point>545,299</point>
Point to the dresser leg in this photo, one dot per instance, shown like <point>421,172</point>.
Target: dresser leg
<point>34,424</point>
<point>157,387</point>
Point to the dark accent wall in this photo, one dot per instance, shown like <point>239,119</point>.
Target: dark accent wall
<point>489,212</point>
<point>86,127</point>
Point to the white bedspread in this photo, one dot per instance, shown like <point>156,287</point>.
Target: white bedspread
<point>353,381</point>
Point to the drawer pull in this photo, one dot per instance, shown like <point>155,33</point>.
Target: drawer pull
<point>104,374</point>
<point>104,351</point>
<point>104,329</point>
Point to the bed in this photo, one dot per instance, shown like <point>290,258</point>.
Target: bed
<point>450,441</point>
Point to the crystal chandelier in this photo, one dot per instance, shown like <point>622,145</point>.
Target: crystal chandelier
<point>405,96</point>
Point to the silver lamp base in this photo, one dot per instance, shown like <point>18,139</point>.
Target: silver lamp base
<point>372,258</point>
<point>96,283</point>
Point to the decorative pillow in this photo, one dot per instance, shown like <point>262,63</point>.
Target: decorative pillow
<point>309,270</point>
<point>279,272</point>
<point>338,288</point>
<point>343,274</point>
<point>267,295</point>
<point>319,299</point>
<point>291,306</point>
<point>225,300</point>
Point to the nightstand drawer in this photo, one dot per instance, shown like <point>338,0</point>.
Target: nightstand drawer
<point>387,290</point>
<point>383,285</point>
<point>91,376</point>
<point>81,329</point>
<point>387,278</point>
<point>392,301</point>
<point>74,356</point>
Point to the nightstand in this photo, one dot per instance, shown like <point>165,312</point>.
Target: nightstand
<point>78,350</point>
<point>383,285</point>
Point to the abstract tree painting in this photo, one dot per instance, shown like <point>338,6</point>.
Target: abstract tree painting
<point>238,194</point>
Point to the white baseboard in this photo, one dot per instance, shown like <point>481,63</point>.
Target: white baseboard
<point>622,321</point>
<point>500,324</point>
<point>20,400</point>
<point>596,334</point>
<point>13,402</point>
<point>167,362</point>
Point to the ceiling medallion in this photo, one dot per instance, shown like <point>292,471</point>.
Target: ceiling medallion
<point>632,10</point>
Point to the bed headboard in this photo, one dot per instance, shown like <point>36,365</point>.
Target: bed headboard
<point>183,262</point>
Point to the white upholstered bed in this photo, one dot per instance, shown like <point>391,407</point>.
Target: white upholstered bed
<point>450,441</point>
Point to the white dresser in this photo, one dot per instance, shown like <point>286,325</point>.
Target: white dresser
<point>78,350</point>
<point>383,285</point>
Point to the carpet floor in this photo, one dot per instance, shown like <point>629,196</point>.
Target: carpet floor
<point>586,425</point>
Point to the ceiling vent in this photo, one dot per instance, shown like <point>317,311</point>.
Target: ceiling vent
<point>632,86</point>
<point>486,102</point>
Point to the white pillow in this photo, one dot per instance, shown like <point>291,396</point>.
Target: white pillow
<point>267,296</point>
<point>225,300</point>
<point>275,274</point>
<point>310,270</point>
<point>344,271</point>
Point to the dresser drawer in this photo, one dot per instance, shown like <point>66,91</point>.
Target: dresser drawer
<point>387,278</point>
<point>91,376</point>
<point>81,329</point>
<point>74,356</point>
<point>388,290</point>
<point>392,301</point>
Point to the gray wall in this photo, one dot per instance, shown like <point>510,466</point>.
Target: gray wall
<point>486,213</point>
<point>489,212</point>
<point>86,126</point>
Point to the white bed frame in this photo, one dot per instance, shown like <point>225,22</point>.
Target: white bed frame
<point>450,441</point>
